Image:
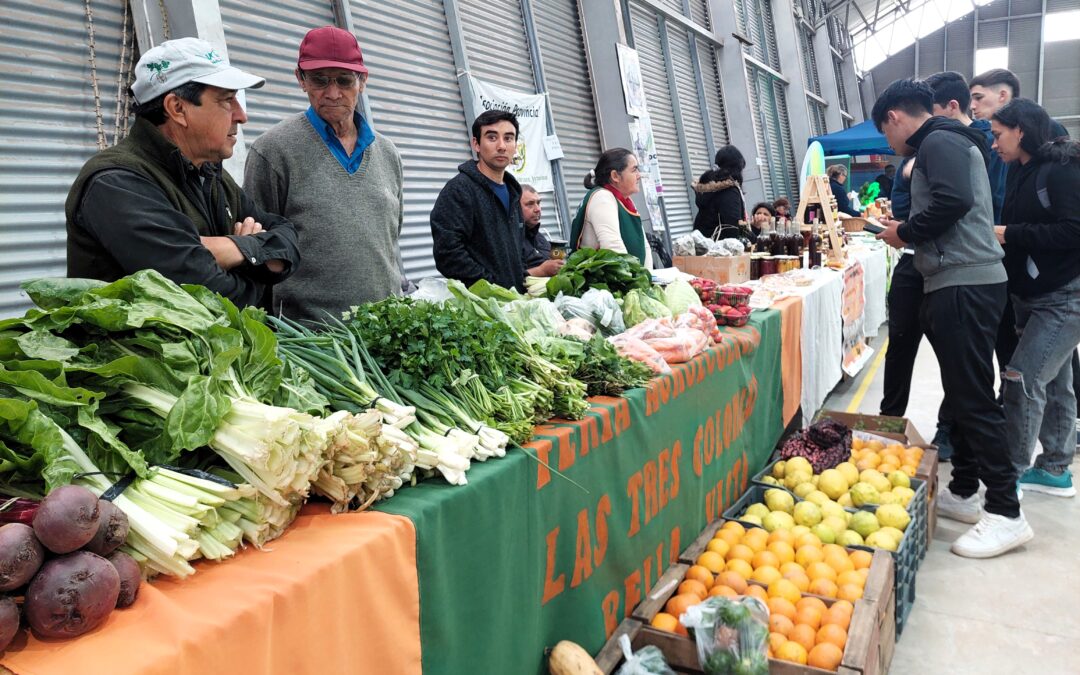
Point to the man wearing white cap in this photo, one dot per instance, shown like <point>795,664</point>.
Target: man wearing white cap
<point>337,180</point>
<point>159,199</point>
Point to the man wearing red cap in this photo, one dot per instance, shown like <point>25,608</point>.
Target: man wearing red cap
<point>337,180</point>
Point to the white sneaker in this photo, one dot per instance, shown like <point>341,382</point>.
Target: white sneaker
<point>967,510</point>
<point>992,536</point>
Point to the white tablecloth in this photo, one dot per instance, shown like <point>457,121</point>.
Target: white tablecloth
<point>875,279</point>
<point>822,339</point>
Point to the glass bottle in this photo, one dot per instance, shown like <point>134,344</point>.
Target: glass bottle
<point>813,257</point>
<point>794,240</point>
<point>764,239</point>
<point>778,245</point>
<point>744,237</point>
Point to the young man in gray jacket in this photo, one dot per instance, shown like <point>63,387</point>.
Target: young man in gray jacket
<point>951,228</point>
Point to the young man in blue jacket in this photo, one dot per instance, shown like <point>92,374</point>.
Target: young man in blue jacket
<point>951,226</point>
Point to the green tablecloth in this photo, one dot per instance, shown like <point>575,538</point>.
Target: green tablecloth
<point>523,557</point>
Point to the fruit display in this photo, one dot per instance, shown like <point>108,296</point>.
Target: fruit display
<point>886,458</point>
<point>705,288</point>
<point>824,444</point>
<point>785,569</point>
<point>731,305</point>
<point>847,484</point>
<point>827,519</point>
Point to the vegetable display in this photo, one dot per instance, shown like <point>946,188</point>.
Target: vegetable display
<point>602,269</point>
<point>146,425</point>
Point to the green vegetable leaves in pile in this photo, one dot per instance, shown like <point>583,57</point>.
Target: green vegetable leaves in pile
<point>606,372</point>
<point>590,268</point>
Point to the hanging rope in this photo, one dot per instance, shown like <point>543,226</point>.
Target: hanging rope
<point>102,144</point>
<point>164,19</point>
<point>123,100</point>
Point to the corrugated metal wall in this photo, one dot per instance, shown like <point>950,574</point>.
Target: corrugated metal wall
<point>415,100</point>
<point>263,37</point>
<point>48,127</point>
<point>689,104</point>
<point>662,116</point>
<point>566,73</point>
<point>498,54</point>
<point>714,97</point>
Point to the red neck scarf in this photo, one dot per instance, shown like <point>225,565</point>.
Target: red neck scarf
<point>625,201</point>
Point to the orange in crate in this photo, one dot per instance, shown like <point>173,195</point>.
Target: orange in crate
<point>778,623</point>
<point>781,606</point>
<point>826,588</point>
<point>803,634</point>
<point>732,579</point>
<point>711,561</point>
<point>699,573</point>
<point>678,604</point>
<point>832,633</point>
<point>757,592</point>
<point>810,616</point>
<point>665,622</point>
<point>792,651</point>
<point>722,590</point>
<point>836,616</point>
<point>695,587</point>
<point>826,656</point>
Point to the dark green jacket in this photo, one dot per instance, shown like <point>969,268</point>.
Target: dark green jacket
<point>141,204</point>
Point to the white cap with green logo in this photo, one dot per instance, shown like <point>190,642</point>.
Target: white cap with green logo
<point>177,62</point>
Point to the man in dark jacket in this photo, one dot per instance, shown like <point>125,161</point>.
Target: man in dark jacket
<point>957,252</point>
<point>476,224</point>
<point>536,247</point>
<point>885,179</point>
<point>160,200</point>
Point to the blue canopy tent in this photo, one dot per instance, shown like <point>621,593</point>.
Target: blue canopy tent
<point>861,139</point>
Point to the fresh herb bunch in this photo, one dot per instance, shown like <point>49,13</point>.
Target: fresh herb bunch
<point>426,342</point>
<point>608,373</point>
<point>591,268</point>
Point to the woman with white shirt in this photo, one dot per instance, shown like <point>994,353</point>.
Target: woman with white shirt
<point>607,218</point>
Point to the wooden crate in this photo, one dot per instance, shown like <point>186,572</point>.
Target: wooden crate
<point>723,270</point>
<point>610,657</point>
<point>871,635</point>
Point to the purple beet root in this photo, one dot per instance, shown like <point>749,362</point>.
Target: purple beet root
<point>71,595</point>
<point>21,555</point>
<point>67,519</point>
<point>130,577</point>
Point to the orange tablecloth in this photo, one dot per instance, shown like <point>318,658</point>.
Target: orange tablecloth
<point>791,316</point>
<point>335,594</point>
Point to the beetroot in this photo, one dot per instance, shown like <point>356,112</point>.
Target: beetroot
<point>112,529</point>
<point>71,595</point>
<point>21,556</point>
<point>9,621</point>
<point>130,577</point>
<point>67,519</point>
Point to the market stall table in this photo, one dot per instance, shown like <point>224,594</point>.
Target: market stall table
<point>560,540</point>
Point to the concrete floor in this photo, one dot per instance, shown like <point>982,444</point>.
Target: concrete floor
<point>1011,615</point>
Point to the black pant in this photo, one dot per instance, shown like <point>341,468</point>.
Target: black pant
<point>1076,379</point>
<point>905,334</point>
<point>962,324</point>
<point>1007,339</point>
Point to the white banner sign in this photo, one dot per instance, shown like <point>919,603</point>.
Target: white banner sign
<point>531,164</point>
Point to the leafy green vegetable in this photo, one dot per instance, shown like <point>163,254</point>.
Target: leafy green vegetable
<point>603,269</point>
<point>680,296</point>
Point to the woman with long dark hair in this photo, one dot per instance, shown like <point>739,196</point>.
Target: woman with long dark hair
<point>1041,234</point>
<point>607,218</point>
<point>719,196</point>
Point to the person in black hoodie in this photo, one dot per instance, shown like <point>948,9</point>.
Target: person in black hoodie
<point>476,223</point>
<point>1041,234</point>
<point>964,281</point>
<point>719,196</point>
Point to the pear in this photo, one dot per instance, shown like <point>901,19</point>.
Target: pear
<point>865,523</point>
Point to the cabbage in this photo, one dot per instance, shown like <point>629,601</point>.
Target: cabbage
<point>680,296</point>
<point>639,306</point>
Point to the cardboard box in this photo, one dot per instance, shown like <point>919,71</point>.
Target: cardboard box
<point>729,270</point>
<point>897,428</point>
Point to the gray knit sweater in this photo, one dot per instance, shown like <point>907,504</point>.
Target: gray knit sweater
<point>348,225</point>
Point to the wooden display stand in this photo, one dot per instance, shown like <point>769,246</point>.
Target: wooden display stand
<point>816,191</point>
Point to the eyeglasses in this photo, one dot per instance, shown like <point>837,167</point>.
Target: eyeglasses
<point>318,81</point>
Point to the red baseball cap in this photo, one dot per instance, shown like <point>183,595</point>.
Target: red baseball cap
<point>331,47</point>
